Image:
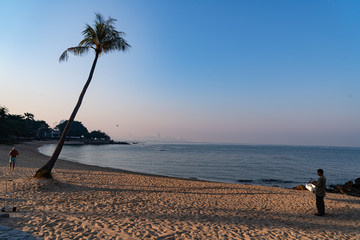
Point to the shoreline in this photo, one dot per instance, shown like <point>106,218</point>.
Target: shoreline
<point>117,169</point>
<point>103,203</point>
<point>70,143</point>
<point>333,187</point>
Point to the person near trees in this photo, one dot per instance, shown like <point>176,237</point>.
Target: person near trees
<point>12,160</point>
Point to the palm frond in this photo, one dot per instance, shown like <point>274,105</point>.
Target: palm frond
<point>98,18</point>
<point>89,37</point>
<point>79,50</point>
<point>118,43</point>
<point>64,56</point>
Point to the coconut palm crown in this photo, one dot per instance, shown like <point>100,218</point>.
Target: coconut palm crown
<point>102,38</point>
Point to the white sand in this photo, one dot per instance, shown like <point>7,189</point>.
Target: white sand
<point>85,202</point>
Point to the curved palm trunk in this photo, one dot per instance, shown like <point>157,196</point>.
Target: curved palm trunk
<point>45,171</point>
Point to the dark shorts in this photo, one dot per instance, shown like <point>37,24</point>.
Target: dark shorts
<point>12,160</point>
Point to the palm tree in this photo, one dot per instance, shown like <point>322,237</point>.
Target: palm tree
<point>102,38</point>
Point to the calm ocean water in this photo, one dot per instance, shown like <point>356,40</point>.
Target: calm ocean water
<point>282,166</point>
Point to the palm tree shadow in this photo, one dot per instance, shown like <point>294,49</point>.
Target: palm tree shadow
<point>72,187</point>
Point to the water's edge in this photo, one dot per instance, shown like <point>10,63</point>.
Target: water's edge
<point>278,166</point>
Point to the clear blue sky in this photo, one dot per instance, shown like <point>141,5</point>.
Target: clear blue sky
<point>265,72</point>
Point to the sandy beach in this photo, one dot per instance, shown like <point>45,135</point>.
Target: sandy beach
<point>86,202</point>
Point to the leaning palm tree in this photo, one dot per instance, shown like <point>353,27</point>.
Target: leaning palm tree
<point>102,38</point>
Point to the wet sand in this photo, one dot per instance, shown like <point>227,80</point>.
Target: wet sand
<point>87,202</point>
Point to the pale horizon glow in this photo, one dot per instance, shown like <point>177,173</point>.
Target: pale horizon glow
<point>247,72</point>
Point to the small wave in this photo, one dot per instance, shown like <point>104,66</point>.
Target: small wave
<point>245,181</point>
<point>275,181</point>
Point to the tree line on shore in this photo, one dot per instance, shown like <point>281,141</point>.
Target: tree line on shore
<point>14,128</point>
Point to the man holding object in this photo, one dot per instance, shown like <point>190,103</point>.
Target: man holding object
<point>320,189</point>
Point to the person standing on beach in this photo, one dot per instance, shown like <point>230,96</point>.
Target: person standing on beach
<point>12,160</point>
<point>320,189</point>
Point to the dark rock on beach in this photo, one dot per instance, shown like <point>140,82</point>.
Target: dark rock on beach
<point>349,188</point>
<point>300,187</point>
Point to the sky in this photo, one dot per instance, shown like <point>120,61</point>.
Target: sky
<point>232,71</point>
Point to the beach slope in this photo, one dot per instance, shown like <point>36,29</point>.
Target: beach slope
<point>87,202</point>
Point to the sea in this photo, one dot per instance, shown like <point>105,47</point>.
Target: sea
<point>267,165</point>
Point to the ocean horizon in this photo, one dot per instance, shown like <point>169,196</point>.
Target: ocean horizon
<point>267,165</point>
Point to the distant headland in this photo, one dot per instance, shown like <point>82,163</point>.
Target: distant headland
<point>16,128</point>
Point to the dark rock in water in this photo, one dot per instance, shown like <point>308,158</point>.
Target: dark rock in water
<point>357,181</point>
<point>300,187</point>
